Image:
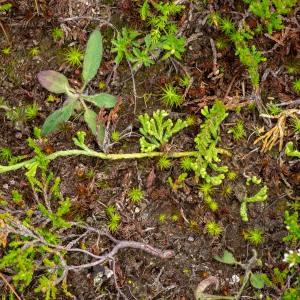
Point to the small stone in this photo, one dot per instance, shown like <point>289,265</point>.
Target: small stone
<point>137,210</point>
<point>18,135</point>
<point>234,279</point>
<point>191,239</point>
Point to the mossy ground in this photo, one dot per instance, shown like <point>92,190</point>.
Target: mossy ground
<point>139,274</point>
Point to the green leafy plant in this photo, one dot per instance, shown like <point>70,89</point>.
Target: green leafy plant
<point>260,196</point>
<point>73,56</point>
<point>213,228</point>
<point>257,280</point>
<point>253,179</point>
<point>35,51</point>
<point>57,34</point>
<point>231,175</point>
<point>291,151</point>
<point>238,130</point>
<point>293,226</point>
<point>115,136</point>
<point>77,99</point>
<point>6,154</point>
<point>30,249</point>
<point>21,114</point>
<point>170,96</point>
<point>6,51</point>
<point>296,124</point>
<point>186,164</point>
<point>162,218</point>
<point>272,18</point>
<point>114,218</point>
<point>273,109</point>
<point>254,236</point>
<point>5,7</point>
<point>143,49</point>
<point>31,111</point>
<point>16,196</point>
<point>157,131</point>
<point>206,142</point>
<point>185,81</point>
<point>296,86</point>
<point>136,194</point>
<point>124,43</point>
<point>164,163</point>
<point>178,183</point>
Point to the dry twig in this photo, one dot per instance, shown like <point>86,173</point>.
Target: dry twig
<point>276,134</point>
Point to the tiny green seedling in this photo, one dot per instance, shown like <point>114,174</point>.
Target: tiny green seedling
<point>291,151</point>
<point>35,51</point>
<point>164,162</point>
<point>114,218</point>
<point>73,57</point>
<point>6,51</point>
<point>5,154</point>
<point>178,183</point>
<point>231,175</point>
<point>296,86</point>
<point>115,136</point>
<point>238,130</point>
<point>136,194</point>
<point>170,96</point>
<point>186,164</point>
<point>296,124</point>
<point>274,109</point>
<point>213,228</point>
<point>57,34</point>
<point>77,99</point>
<point>254,236</point>
<point>162,218</point>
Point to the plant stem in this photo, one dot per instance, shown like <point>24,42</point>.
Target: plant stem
<point>91,153</point>
<point>101,155</point>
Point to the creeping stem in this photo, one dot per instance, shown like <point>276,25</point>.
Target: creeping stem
<point>101,155</point>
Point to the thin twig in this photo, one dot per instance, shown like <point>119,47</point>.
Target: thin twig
<point>5,34</point>
<point>133,86</point>
<point>10,286</point>
<point>215,63</point>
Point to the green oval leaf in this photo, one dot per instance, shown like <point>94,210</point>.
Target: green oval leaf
<point>102,100</point>
<point>227,258</point>
<point>257,280</point>
<point>53,81</point>
<point>97,128</point>
<point>92,57</point>
<point>57,117</point>
<point>90,118</point>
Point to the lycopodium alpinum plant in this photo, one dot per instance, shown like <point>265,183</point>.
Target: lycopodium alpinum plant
<point>157,131</point>
<point>78,99</point>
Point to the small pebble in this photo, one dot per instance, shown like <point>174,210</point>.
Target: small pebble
<point>190,239</point>
<point>234,279</point>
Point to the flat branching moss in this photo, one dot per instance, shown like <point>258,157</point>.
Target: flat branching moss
<point>157,131</point>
